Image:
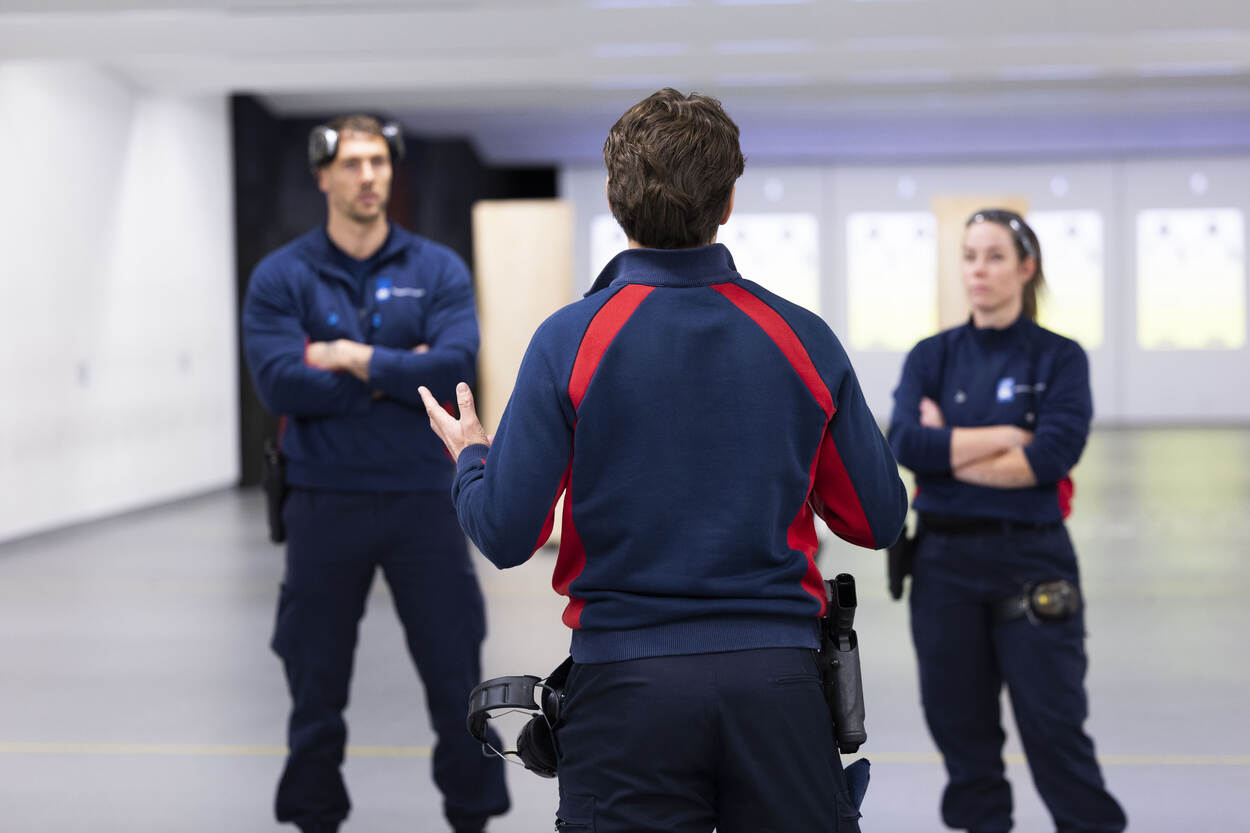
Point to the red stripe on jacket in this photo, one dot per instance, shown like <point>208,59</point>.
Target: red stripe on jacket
<point>599,334</point>
<point>834,498</point>
<point>569,565</point>
<point>1064,493</point>
<point>801,534</point>
<point>779,331</point>
<point>550,522</point>
<point>603,328</point>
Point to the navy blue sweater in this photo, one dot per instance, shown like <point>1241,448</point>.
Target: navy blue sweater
<point>695,423</point>
<point>343,433</point>
<point>1022,375</point>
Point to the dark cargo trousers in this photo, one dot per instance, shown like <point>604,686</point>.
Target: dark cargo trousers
<point>336,540</point>
<point>740,741</point>
<point>966,655</point>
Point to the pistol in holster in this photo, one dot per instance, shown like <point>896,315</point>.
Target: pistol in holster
<point>840,678</point>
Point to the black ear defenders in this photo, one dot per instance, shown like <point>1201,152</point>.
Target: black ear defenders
<point>535,744</point>
<point>323,144</point>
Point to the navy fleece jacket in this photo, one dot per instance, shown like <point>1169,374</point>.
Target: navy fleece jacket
<point>1022,375</point>
<point>343,433</point>
<point>695,424</point>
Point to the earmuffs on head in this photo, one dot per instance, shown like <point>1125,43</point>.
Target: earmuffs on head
<point>323,144</point>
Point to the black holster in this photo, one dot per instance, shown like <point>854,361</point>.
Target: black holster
<point>840,677</point>
<point>273,481</point>
<point>900,558</point>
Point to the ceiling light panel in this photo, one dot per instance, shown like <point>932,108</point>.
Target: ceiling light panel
<point>763,47</point>
<point>764,79</point>
<point>636,4</point>
<point>897,44</point>
<point>1049,72</point>
<point>1193,69</point>
<point>638,50</point>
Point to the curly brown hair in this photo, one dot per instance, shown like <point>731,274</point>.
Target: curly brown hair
<point>672,162</point>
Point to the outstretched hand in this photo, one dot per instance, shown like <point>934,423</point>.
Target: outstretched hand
<point>456,434</point>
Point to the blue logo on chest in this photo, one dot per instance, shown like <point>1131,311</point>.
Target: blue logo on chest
<point>383,291</point>
<point>1006,389</point>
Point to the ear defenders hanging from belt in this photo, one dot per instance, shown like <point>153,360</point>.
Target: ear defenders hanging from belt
<point>323,144</point>
<point>535,744</point>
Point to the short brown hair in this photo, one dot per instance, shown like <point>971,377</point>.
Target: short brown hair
<point>672,162</point>
<point>356,123</point>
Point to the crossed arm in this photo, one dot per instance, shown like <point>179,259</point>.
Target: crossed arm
<point>991,455</point>
<point>345,355</point>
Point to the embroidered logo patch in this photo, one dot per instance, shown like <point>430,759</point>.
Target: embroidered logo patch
<point>1006,389</point>
<point>383,292</point>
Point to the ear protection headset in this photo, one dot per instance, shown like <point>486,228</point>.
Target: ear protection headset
<point>535,744</point>
<point>323,144</point>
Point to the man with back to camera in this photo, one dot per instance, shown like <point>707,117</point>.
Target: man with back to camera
<point>695,423</point>
<point>340,327</point>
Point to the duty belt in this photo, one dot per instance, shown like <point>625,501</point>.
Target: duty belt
<point>960,525</point>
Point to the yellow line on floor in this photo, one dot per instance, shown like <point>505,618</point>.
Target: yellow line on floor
<point>1017,759</point>
<point>196,749</point>
<point>243,750</point>
<point>1175,760</point>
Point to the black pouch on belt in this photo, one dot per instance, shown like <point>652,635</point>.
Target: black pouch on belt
<point>273,481</point>
<point>899,560</point>
<point>1044,601</point>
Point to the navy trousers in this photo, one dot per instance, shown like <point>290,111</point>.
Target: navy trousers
<point>335,542</point>
<point>740,741</point>
<point>966,656</point>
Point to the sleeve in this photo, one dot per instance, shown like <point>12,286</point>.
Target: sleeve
<point>505,496</point>
<point>922,449</point>
<point>453,338</point>
<point>274,342</point>
<point>1063,417</point>
<point>857,490</point>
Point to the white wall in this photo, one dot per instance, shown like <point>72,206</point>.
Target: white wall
<point>1132,385</point>
<point>118,371</point>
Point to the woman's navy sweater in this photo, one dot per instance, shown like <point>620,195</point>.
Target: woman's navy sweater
<point>1023,375</point>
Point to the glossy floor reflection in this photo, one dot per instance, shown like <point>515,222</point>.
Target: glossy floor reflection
<point>137,692</point>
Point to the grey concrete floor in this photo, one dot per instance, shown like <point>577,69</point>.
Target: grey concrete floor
<point>137,692</point>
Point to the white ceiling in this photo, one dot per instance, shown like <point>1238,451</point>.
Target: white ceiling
<point>542,81</point>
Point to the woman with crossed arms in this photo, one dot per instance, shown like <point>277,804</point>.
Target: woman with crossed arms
<point>991,416</point>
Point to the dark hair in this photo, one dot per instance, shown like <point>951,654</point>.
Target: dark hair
<point>672,162</point>
<point>356,123</point>
<point>1027,246</point>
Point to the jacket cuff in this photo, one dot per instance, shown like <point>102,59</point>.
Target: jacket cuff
<point>1043,471</point>
<point>935,450</point>
<point>383,365</point>
<point>471,457</point>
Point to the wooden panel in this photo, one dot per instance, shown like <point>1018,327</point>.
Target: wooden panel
<point>523,258</point>
<point>952,212</point>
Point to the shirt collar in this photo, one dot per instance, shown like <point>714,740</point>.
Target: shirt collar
<point>990,337</point>
<point>332,260</point>
<point>700,266</point>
